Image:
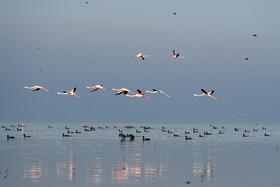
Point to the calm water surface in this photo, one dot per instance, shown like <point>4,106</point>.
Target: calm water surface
<point>100,158</point>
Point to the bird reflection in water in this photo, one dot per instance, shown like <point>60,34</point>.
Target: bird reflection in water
<point>204,165</point>
<point>36,170</point>
<point>66,170</point>
<point>120,174</point>
<point>136,171</point>
<point>94,174</point>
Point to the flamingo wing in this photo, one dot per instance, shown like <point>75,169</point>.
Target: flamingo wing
<point>174,52</point>
<point>94,89</point>
<point>204,91</point>
<point>210,93</point>
<point>139,92</point>
<point>36,89</point>
<point>120,92</point>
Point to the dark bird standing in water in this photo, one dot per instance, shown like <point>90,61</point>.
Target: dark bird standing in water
<point>65,135</point>
<point>10,137</point>
<point>145,139</point>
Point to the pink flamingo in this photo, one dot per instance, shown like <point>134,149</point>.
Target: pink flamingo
<point>36,88</point>
<point>71,92</point>
<point>176,55</point>
<point>96,87</point>
<point>139,94</point>
<point>122,90</point>
<point>209,94</point>
<point>140,55</point>
<point>158,92</point>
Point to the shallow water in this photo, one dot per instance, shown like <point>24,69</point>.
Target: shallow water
<point>100,158</point>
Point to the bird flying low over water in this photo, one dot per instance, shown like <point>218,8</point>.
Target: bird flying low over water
<point>139,54</point>
<point>176,55</point>
<point>71,92</point>
<point>209,94</point>
<point>36,88</point>
<point>122,90</point>
<point>158,92</point>
<point>139,94</point>
<point>96,87</point>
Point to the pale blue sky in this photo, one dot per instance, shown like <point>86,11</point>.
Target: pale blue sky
<point>87,44</point>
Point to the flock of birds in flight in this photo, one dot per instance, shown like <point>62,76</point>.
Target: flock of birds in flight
<point>175,55</point>
<point>123,91</point>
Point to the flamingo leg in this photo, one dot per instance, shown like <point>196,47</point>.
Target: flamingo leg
<point>147,97</point>
<point>167,95</point>
<point>45,89</point>
<point>77,96</point>
<point>131,92</point>
<point>214,98</point>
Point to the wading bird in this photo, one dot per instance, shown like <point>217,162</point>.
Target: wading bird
<point>71,92</point>
<point>176,55</point>
<point>139,94</point>
<point>139,54</point>
<point>36,88</point>
<point>96,87</point>
<point>209,94</point>
<point>145,139</point>
<point>158,92</point>
<point>122,90</point>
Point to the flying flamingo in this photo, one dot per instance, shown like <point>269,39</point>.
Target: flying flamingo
<point>176,55</point>
<point>96,87</point>
<point>209,94</point>
<point>71,92</point>
<point>36,88</point>
<point>122,90</point>
<point>158,92</point>
<point>139,94</point>
<point>139,54</point>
